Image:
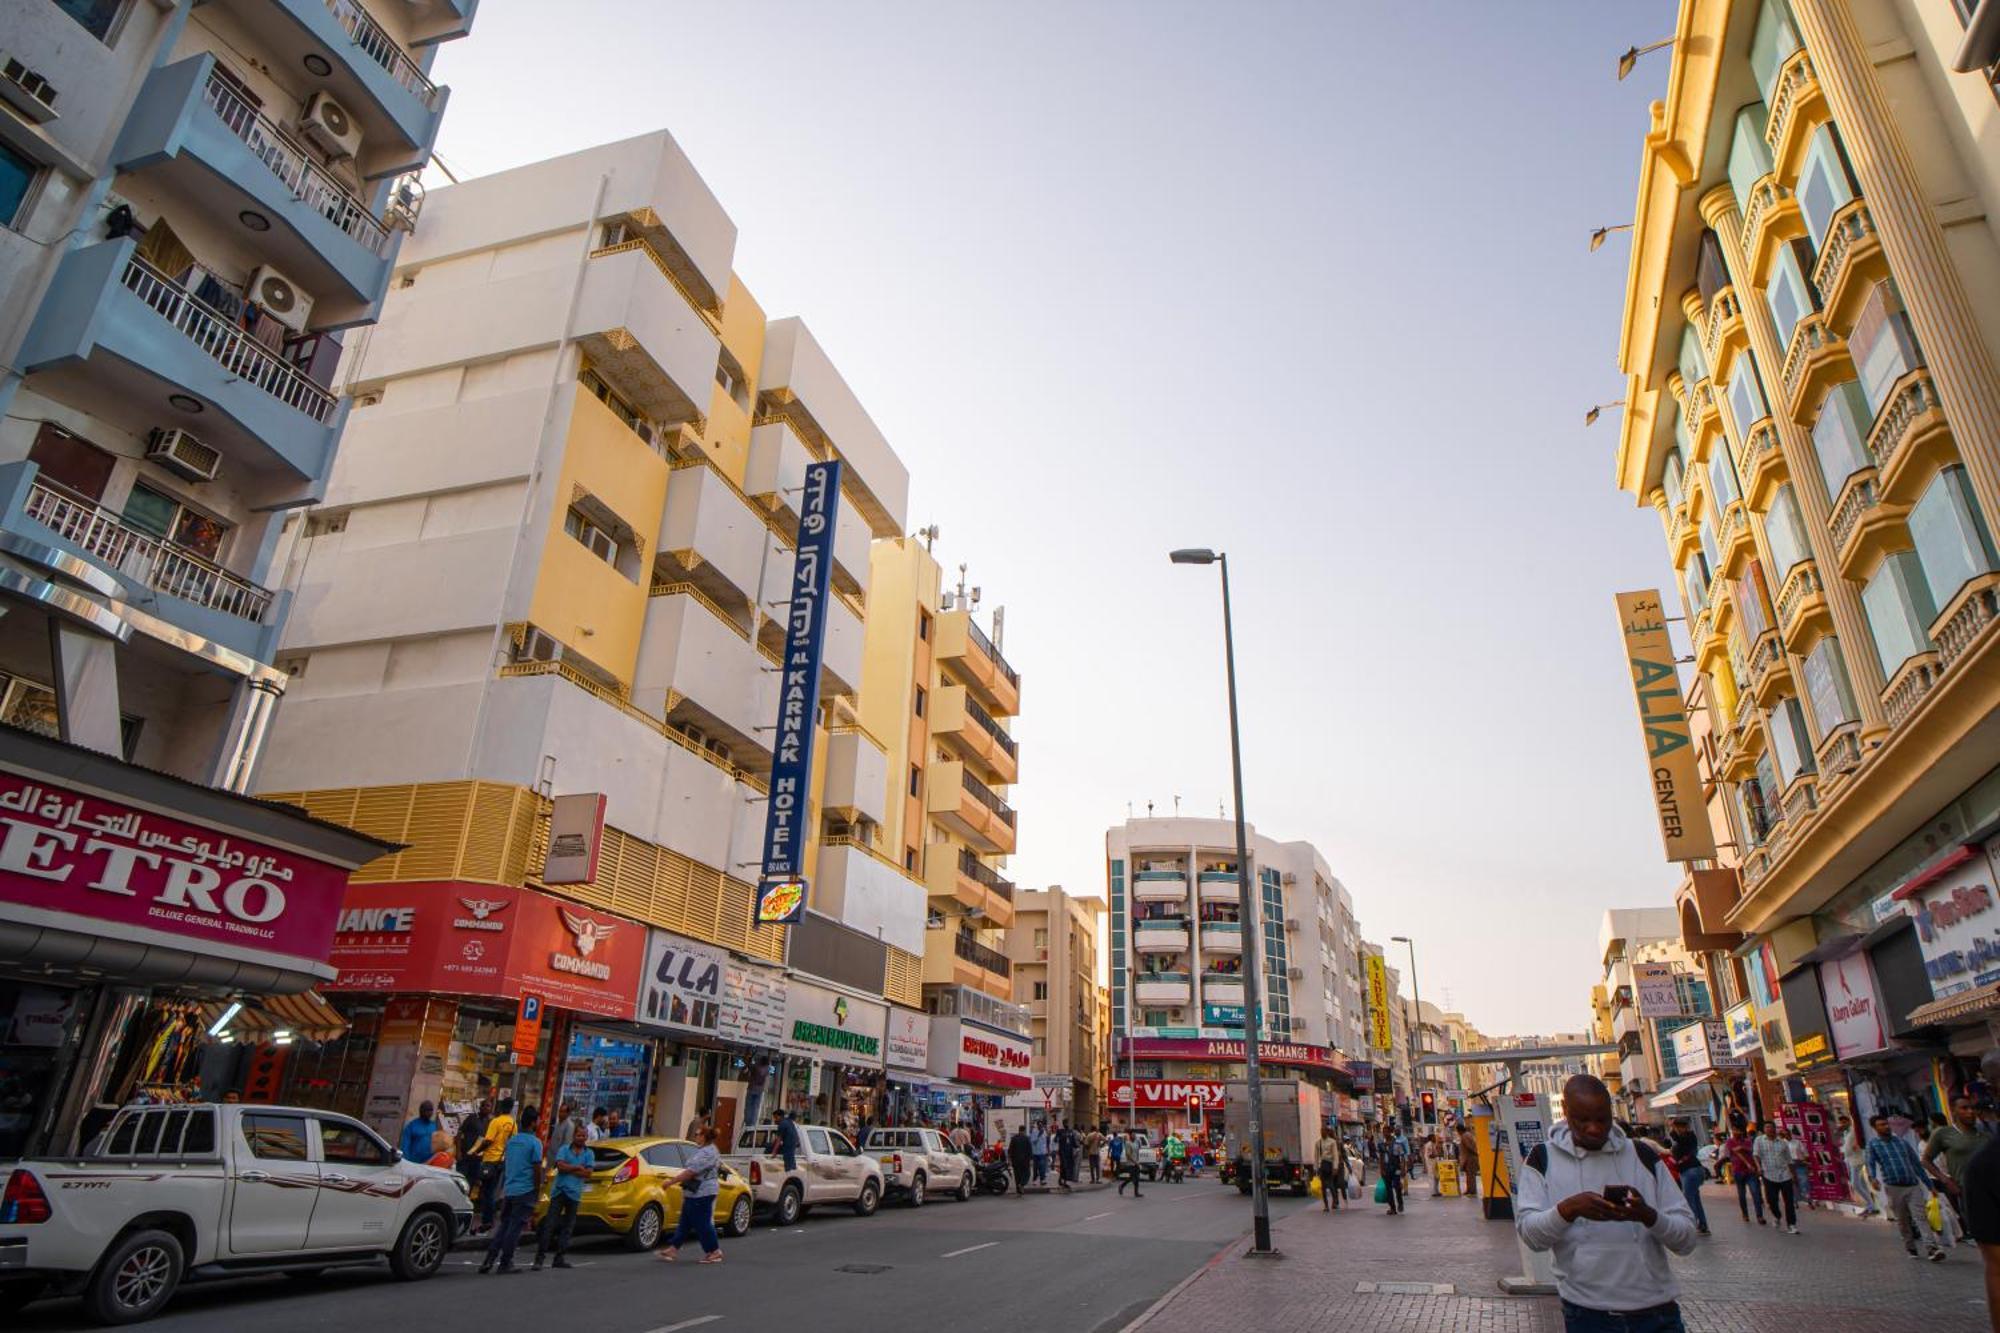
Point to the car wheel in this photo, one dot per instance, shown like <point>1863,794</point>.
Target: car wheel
<point>917,1190</point>
<point>135,1279</point>
<point>646,1228</point>
<point>14,1296</point>
<point>421,1249</point>
<point>965,1187</point>
<point>739,1218</point>
<point>869,1199</point>
<point>791,1204</point>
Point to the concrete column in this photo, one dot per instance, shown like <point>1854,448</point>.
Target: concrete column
<point>1850,626</point>
<point>242,740</point>
<point>1913,242</point>
<point>86,679</point>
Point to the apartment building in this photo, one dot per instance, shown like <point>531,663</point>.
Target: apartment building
<point>1812,343</point>
<point>554,561</point>
<point>1053,946</point>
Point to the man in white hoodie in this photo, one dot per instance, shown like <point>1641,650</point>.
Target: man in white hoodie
<point>1609,1209</point>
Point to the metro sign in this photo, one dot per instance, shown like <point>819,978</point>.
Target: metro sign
<point>1168,1093</point>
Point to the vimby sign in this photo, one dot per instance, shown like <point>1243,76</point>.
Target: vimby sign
<point>1166,1094</point>
<point>1670,755</point>
<point>781,889</point>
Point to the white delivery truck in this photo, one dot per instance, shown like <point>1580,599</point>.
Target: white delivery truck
<point>1293,1118</point>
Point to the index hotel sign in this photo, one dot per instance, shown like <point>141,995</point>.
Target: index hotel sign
<point>1673,776</point>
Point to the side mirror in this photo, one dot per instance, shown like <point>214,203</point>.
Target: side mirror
<point>395,1155</point>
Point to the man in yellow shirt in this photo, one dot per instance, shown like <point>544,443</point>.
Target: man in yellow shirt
<point>490,1149</point>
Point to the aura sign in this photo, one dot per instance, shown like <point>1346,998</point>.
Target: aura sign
<point>781,889</point>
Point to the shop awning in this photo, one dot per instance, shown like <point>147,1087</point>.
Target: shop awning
<point>306,1016</point>
<point>1671,1094</point>
<point>1954,1007</point>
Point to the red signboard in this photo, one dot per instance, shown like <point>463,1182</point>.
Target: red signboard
<point>1167,1093</point>
<point>454,938</point>
<point>62,851</point>
<point>1292,1054</point>
<point>994,1059</point>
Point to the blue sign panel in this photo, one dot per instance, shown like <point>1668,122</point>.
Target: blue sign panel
<point>781,890</point>
<point>1222,1015</point>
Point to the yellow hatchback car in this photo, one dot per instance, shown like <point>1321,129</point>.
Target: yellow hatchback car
<point>628,1194</point>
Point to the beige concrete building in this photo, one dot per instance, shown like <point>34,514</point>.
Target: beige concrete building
<point>1053,947</point>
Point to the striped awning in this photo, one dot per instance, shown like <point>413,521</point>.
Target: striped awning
<point>306,1016</point>
<point>1954,1007</point>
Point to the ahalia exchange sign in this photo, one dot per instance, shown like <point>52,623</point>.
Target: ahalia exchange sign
<point>781,890</point>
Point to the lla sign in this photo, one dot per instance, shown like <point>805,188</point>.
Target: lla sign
<point>1670,756</point>
<point>781,889</point>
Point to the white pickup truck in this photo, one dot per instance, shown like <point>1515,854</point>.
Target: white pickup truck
<point>828,1169</point>
<point>187,1192</point>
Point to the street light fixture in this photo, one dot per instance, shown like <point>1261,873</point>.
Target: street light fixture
<point>1632,54</point>
<point>1417,994</point>
<point>1590,417</point>
<point>1253,1017</point>
<point>1597,237</point>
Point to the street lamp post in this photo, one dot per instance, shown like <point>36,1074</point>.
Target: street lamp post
<point>1417,1046</point>
<point>1260,1203</point>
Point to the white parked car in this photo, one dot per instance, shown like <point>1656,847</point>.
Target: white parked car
<point>172,1192</point>
<point>829,1169</point>
<point>918,1163</point>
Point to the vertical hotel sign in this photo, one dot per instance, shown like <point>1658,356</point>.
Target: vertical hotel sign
<point>1670,756</point>
<point>1380,1035</point>
<point>781,889</point>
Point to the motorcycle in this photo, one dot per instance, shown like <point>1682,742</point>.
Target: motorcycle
<point>995,1177</point>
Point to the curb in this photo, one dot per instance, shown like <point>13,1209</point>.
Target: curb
<point>1146,1315</point>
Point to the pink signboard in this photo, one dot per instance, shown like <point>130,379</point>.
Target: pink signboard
<point>1853,1006</point>
<point>1826,1170</point>
<point>86,856</point>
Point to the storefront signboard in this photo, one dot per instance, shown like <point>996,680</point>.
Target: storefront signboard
<point>1703,1046</point>
<point>1673,775</point>
<point>1659,996</point>
<point>753,1006</point>
<point>1222,1015</point>
<point>909,1039</point>
<point>1957,929</point>
<point>1853,1006</point>
<point>682,984</point>
<point>1291,1054</point>
<point>842,1028</point>
<point>1161,1094</point>
<point>1742,1023</point>
<point>982,1056</point>
<point>576,832</point>
<point>1380,1036</point>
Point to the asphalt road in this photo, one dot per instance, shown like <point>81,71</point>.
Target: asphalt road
<point>1082,1263</point>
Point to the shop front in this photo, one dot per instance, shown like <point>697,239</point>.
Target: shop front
<point>992,1065</point>
<point>141,917</point>
<point>434,973</point>
<point>683,1002</point>
<point>833,1048</point>
<point>910,1098</point>
<point>1187,1106</point>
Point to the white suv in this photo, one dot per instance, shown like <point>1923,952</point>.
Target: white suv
<point>829,1169</point>
<point>917,1162</point>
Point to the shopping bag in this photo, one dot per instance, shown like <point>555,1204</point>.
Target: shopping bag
<point>1934,1214</point>
<point>1315,1188</point>
<point>1381,1190</point>
<point>1353,1189</point>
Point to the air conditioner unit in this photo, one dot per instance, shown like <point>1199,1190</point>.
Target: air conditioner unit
<point>1291,877</point>
<point>280,298</point>
<point>1296,973</point>
<point>1291,923</point>
<point>1298,1023</point>
<point>178,451</point>
<point>539,647</point>
<point>26,90</point>
<point>329,128</point>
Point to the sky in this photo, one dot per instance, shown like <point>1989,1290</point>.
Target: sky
<point>1308,283</point>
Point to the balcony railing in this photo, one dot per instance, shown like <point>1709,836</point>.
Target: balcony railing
<point>153,561</point>
<point>295,167</point>
<point>986,797</point>
<point>990,727</point>
<point>974,869</point>
<point>972,951</point>
<point>376,43</point>
<point>235,350</point>
<point>986,646</point>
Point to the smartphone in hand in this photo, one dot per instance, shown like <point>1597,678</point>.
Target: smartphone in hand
<point>1620,1195</point>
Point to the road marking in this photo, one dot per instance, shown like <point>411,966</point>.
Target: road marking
<point>686,1323</point>
<point>952,1255</point>
<point>1094,1216</point>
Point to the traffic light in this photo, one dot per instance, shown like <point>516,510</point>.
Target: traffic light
<point>1430,1108</point>
<point>1194,1113</point>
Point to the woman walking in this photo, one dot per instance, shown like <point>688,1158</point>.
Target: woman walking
<point>699,1183</point>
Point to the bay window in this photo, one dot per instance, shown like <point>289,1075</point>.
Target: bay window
<point>1722,487</point>
<point>1693,365</point>
<point>1883,346</point>
<point>1789,296</point>
<point>1898,604</point>
<point>1825,184</point>
<point>1696,582</point>
<point>1840,436</point>
<point>1953,546</point>
<point>1745,397</point>
<point>1753,603</point>
<point>1789,742</point>
<point>1785,534</point>
<point>1827,687</point>
<point>1749,155</point>
<point>1671,476</point>
<point>1708,547</point>
<point>1772,43</point>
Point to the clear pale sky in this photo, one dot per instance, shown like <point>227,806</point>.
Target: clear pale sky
<point>1305,282</point>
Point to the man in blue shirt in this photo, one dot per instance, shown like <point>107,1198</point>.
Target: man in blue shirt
<point>573,1162</point>
<point>788,1141</point>
<point>520,1179</point>
<point>420,1135</point>
<point>1894,1165</point>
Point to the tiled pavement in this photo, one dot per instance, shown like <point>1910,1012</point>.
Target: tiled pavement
<point>1842,1273</point>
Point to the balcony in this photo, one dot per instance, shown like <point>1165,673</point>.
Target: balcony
<point>857,776</point>
<point>1222,937</point>
<point>1802,605</point>
<point>392,101</point>
<point>1159,886</point>
<point>643,336</point>
<point>1770,217</point>
<point>1801,801</point>
<point>800,385</point>
<point>1169,935</point>
<point>1910,440</point>
<point>1221,988</point>
<point>1706,642</point>
<point>1764,469</point>
<point>1967,620</point>
<point>1724,334</point>
<point>973,660</point>
<point>841,654</point>
<point>967,948</point>
<point>1814,363</point>
<point>971,733</point>
<point>1863,528</point>
<point>697,667</point>
<point>1750,740</point>
<point>953,872</point>
<point>1770,673</point>
<point>775,474</point>
<point>1218,886</point>
<point>1734,540</point>
<point>855,884</point>
<point>1683,533</point>
<point>208,150</point>
<point>715,537</point>
<point>1850,264</point>
<point>1797,104</point>
<point>1162,988</point>
<point>1907,688</point>
<point>969,808</point>
<point>1839,755</point>
<point>144,353</point>
<point>1707,420</point>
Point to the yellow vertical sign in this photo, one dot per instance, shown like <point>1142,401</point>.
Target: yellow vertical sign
<point>1379,1034</point>
<point>1670,756</point>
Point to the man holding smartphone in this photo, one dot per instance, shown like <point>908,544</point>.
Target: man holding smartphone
<point>1609,1210</point>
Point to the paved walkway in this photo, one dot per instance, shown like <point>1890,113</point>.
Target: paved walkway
<point>1841,1274</point>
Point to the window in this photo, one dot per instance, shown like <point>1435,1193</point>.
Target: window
<point>1753,602</point>
<point>1722,487</point>
<point>1952,544</point>
<point>1824,185</point>
<point>1785,533</point>
<point>1693,365</point>
<point>1709,550</point>
<point>275,1138</point>
<point>843,1146</point>
<point>669,1155</point>
<point>96,16</point>
<point>1790,742</point>
<point>1749,155</point>
<point>1772,43</point>
<point>611,398</point>
<point>1670,477</point>
<point>1042,940</point>
<point>1697,586</point>
<point>922,695</point>
<point>1041,990</point>
<point>1745,397</point>
<point>1827,688</point>
<point>816,1141</point>
<point>916,780</point>
<point>17,178</point>
<point>599,542</point>
<point>923,625</point>
<point>162,515</point>
<point>1840,436</point>
<point>910,859</point>
<point>344,1141</point>
<point>1884,348</point>
<point>1899,607</point>
<point>1788,296</point>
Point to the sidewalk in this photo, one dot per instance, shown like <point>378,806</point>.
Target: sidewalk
<point>1841,1275</point>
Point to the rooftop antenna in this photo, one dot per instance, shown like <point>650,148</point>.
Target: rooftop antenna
<point>929,534</point>
<point>1177,807</point>
<point>1149,809</point>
